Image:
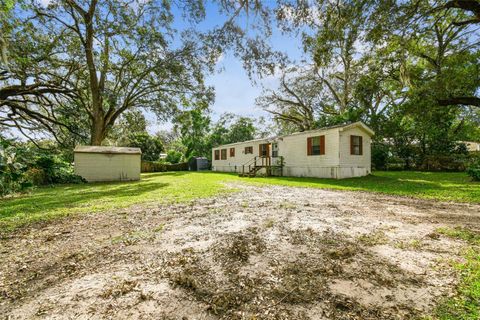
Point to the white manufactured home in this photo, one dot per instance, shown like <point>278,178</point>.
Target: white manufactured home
<point>336,152</point>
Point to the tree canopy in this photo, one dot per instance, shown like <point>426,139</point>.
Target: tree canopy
<point>409,69</point>
<point>101,58</point>
<point>76,65</point>
<point>85,71</point>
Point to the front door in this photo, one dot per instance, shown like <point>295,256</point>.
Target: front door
<point>264,150</point>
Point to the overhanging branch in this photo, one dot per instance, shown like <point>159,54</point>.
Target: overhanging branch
<point>466,101</point>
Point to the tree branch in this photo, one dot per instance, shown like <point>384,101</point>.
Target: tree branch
<point>466,101</point>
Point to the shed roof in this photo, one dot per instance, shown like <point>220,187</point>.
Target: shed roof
<point>110,150</point>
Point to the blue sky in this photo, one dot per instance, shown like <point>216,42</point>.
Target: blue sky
<point>234,91</point>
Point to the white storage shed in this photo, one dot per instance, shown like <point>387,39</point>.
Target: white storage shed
<point>97,163</point>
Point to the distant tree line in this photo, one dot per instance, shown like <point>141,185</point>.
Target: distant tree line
<point>85,71</point>
<point>193,134</point>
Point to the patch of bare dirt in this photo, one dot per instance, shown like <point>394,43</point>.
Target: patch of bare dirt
<point>262,253</point>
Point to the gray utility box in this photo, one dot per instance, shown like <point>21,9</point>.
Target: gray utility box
<point>198,164</point>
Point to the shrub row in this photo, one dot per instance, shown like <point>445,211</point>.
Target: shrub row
<point>474,173</point>
<point>474,167</point>
<point>23,167</point>
<point>151,166</point>
<point>385,157</point>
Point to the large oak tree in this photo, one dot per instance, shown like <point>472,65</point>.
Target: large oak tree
<point>82,63</point>
<point>104,57</point>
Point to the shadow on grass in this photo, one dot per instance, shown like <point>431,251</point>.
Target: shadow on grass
<point>69,196</point>
<point>60,200</point>
<point>167,173</point>
<point>443,186</point>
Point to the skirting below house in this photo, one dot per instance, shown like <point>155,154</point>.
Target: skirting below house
<point>313,172</point>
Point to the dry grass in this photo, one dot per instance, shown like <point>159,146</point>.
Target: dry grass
<point>263,253</point>
<point>119,288</point>
<point>374,238</point>
<point>234,289</point>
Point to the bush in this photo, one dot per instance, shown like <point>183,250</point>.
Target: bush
<point>56,170</point>
<point>174,156</point>
<point>12,169</point>
<point>22,167</point>
<point>150,166</point>
<point>474,173</point>
<point>474,169</point>
<point>380,156</point>
<point>36,176</point>
<point>473,159</point>
<point>150,146</point>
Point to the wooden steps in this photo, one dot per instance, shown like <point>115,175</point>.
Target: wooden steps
<point>252,172</point>
<point>252,167</point>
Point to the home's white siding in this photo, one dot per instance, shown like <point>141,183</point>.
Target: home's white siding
<point>472,146</point>
<point>354,165</point>
<point>297,163</point>
<point>336,163</point>
<point>234,164</point>
<point>107,166</point>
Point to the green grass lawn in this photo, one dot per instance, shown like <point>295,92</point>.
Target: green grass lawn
<point>50,202</point>
<point>465,305</point>
<point>445,186</point>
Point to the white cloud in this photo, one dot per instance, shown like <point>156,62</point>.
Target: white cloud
<point>220,58</point>
<point>311,15</point>
<point>45,3</point>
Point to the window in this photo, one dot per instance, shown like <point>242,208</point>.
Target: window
<point>224,154</point>
<point>232,152</point>
<point>248,150</point>
<point>274,150</point>
<point>217,154</point>
<point>356,145</point>
<point>316,146</point>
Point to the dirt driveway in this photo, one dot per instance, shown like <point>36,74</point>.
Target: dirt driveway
<point>261,253</point>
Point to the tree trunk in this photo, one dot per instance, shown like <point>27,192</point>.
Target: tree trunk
<point>97,131</point>
<point>98,125</point>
